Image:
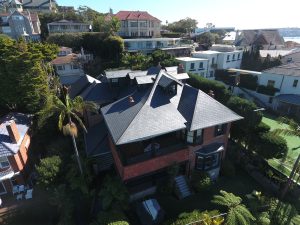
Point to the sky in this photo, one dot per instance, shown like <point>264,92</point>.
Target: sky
<point>241,14</point>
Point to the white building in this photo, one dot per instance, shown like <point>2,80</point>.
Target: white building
<point>220,57</point>
<point>195,65</point>
<point>69,66</point>
<point>286,81</point>
<point>173,46</point>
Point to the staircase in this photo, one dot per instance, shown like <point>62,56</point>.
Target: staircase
<point>182,188</point>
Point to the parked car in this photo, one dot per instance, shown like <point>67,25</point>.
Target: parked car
<point>150,212</point>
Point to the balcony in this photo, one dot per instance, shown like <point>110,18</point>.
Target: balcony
<point>6,173</point>
<point>144,157</point>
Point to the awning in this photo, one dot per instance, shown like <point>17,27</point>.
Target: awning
<point>211,149</point>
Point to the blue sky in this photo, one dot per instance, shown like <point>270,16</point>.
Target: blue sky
<point>242,14</point>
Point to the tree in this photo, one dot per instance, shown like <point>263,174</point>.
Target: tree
<point>238,214</point>
<point>113,193</point>
<point>292,130</point>
<point>186,25</point>
<point>48,170</point>
<point>165,59</point>
<point>67,109</point>
<point>137,61</point>
<point>24,69</point>
<point>208,39</point>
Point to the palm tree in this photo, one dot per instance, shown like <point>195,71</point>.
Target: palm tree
<point>293,129</point>
<point>237,214</point>
<point>67,109</point>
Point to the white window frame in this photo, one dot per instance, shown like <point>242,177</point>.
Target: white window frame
<point>4,160</point>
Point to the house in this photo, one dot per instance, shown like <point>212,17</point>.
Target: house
<point>69,66</point>
<point>19,23</point>
<point>291,57</point>
<point>138,24</point>
<point>266,38</point>
<point>150,121</point>
<point>173,46</point>
<point>40,6</point>
<point>67,26</point>
<point>278,88</point>
<point>219,57</point>
<point>195,65</point>
<point>14,144</point>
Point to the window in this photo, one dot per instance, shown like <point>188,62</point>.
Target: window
<point>295,83</point>
<point>60,67</point>
<point>75,67</point>
<point>201,65</point>
<point>192,66</point>
<point>233,57</point>
<point>239,56</point>
<point>270,100</point>
<point>173,89</point>
<point>271,83</point>
<point>194,137</point>
<point>290,60</point>
<point>143,24</point>
<point>134,24</point>
<point>17,17</point>
<point>207,162</point>
<point>213,60</point>
<point>211,73</point>
<point>220,129</point>
<point>228,58</point>
<point>4,162</point>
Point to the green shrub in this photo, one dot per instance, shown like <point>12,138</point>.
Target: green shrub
<point>196,215</point>
<point>267,90</point>
<point>271,145</point>
<point>248,81</point>
<point>220,91</point>
<point>111,218</point>
<point>227,168</point>
<point>201,181</point>
<point>263,219</point>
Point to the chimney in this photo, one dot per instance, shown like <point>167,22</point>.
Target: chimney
<point>130,100</point>
<point>13,131</point>
<point>211,93</point>
<point>180,69</point>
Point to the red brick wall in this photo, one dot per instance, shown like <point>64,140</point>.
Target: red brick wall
<point>188,154</point>
<point>155,164</point>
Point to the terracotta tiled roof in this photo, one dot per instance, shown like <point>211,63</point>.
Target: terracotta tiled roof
<point>65,59</point>
<point>135,15</point>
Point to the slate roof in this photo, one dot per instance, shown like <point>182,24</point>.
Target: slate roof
<point>135,15</point>
<point>36,3</point>
<point>81,84</point>
<point>289,98</point>
<point>96,141</point>
<point>155,113</point>
<point>117,73</point>
<point>7,147</point>
<point>290,69</point>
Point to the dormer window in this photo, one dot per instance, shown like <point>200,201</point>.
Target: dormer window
<point>172,89</point>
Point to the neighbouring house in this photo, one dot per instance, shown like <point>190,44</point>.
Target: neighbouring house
<point>173,46</point>
<point>40,6</point>
<point>151,120</point>
<point>230,37</point>
<point>19,23</point>
<point>278,88</point>
<point>265,38</point>
<point>210,28</point>
<point>291,57</point>
<point>219,57</point>
<point>277,53</point>
<point>195,65</point>
<point>138,24</point>
<point>67,26</point>
<point>14,145</point>
<point>69,66</point>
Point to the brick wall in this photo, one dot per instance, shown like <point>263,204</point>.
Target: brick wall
<point>188,154</point>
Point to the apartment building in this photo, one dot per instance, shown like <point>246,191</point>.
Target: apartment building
<point>138,24</point>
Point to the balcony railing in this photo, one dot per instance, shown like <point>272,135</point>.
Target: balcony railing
<point>154,153</point>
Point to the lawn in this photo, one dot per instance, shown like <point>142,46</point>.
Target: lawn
<point>241,184</point>
<point>293,143</point>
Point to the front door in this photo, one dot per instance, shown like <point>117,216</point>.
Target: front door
<point>2,189</point>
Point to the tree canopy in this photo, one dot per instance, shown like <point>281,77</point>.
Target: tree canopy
<point>24,71</point>
<point>183,26</point>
